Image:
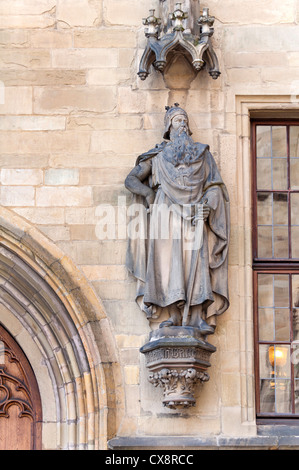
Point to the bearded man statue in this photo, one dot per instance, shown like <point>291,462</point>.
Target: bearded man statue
<point>181,264</point>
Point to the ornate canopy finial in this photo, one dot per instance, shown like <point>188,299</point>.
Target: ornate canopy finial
<point>194,45</point>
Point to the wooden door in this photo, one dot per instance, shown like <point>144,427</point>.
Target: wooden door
<point>20,404</point>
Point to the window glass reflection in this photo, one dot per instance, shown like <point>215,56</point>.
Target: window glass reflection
<point>294,141</point>
<point>275,379</point>
<point>266,324</point>
<point>280,209</point>
<point>294,173</point>
<point>263,141</point>
<point>264,208</point>
<point>281,290</point>
<point>264,173</point>
<point>295,307</point>
<point>280,173</point>
<point>280,242</point>
<point>279,141</point>
<point>265,290</point>
<point>265,242</point>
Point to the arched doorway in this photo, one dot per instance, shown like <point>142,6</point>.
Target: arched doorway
<point>20,403</point>
<point>52,311</point>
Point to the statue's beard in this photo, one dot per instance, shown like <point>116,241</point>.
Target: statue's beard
<point>183,147</point>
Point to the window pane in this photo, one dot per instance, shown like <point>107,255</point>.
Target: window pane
<point>295,307</point>
<point>264,208</point>
<point>280,208</point>
<point>263,141</point>
<point>280,173</point>
<point>265,290</point>
<point>295,360</point>
<point>282,374</point>
<point>279,141</point>
<point>295,224</point>
<point>266,368</point>
<point>263,173</point>
<point>279,360</point>
<point>266,324</point>
<point>294,141</point>
<point>295,318</point>
<point>281,290</point>
<point>282,324</point>
<point>295,208</point>
<point>294,173</point>
<point>265,242</point>
<point>267,396</point>
<point>283,396</point>
<point>296,396</point>
<point>281,242</point>
<point>295,242</point>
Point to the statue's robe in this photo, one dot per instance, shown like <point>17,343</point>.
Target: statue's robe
<point>177,261</point>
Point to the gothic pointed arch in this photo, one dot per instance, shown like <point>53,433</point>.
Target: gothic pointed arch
<point>50,308</point>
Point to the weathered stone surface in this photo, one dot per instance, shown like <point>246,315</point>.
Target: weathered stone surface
<point>63,196</point>
<point>15,100</point>
<point>62,176</point>
<point>108,76</point>
<point>84,58</point>
<point>122,141</point>
<point>43,77</point>
<point>86,13</point>
<point>31,123</point>
<point>119,13</point>
<point>17,58</point>
<point>50,39</point>
<point>30,7</point>
<point>17,38</point>
<point>112,37</point>
<point>104,122</point>
<point>21,177</point>
<point>67,100</point>
<point>270,12</point>
<point>41,215</point>
<point>17,196</point>
<point>39,142</point>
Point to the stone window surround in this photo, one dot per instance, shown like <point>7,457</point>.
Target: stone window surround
<point>248,107</point>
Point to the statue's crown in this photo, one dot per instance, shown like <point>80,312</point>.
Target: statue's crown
<point>171,111</point>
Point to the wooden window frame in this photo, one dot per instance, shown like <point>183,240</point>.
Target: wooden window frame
<point>271,266</point>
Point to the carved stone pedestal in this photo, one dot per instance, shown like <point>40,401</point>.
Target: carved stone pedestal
<point>177,358</point>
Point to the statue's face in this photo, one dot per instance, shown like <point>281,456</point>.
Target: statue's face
<point>179,122</point>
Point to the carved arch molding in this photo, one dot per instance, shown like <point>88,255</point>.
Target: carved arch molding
<point>48,306</point>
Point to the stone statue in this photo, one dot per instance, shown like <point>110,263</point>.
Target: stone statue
<point>184,271</point>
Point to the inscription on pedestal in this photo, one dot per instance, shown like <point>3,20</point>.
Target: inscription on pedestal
<point>177,359</point>
<point>177,353</point>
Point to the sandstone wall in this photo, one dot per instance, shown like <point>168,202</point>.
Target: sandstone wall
<point>74,117</point>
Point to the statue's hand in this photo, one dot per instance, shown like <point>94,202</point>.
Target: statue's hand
<point>150,198</point>
<point>206,211</point>
<point>202,214</point>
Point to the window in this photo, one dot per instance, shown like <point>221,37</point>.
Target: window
<point>276,266</point>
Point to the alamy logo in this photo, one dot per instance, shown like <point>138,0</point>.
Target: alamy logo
<point>166,221</point>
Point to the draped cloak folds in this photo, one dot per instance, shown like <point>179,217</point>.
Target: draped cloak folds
<point>162,259</point>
